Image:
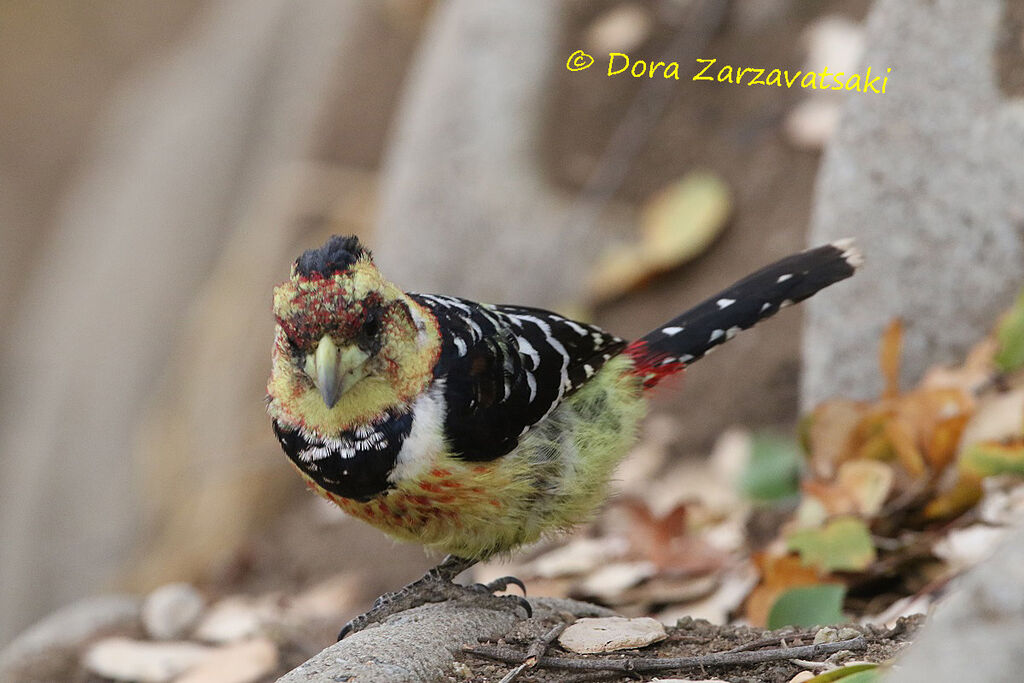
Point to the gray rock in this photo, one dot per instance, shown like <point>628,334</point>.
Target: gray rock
<point>978,633</point>
<point>171,610</point>
<point>38,652</point>
<point>417,646</point>
<point>462,184</point>
<point>929,177</point>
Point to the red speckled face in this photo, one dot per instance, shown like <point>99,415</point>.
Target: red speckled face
<point>313,307</point>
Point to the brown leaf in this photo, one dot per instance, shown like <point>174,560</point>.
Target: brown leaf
<point>667,543</point>
<point>831,431</point>
<point>962,496</point>
<point>889,357</point>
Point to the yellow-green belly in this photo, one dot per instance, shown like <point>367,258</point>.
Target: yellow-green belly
<point>554,479</point>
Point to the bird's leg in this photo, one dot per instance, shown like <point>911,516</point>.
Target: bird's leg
<point>437,585</point>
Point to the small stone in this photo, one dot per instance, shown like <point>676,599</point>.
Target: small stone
<point>608,634</point>
<point>50,646</point>
<point>620,29</point>
<point>580,556</point>
<point>124,659</point>
<point>613,579</point>
<point>848,632</point>
<point>327,599</point>
<point>230,620</point>
<point>462,670</point>
<point>243,662</point>
<point>170,611</point>
<point>826,635</point>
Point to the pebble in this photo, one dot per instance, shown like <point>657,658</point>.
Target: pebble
<point>613,579</point>
<point>620,29</point>
<point>608,634</point>
<point>171,610</point>
<point>124,659</point>
<point>66,630</point>
<point>232,619</point>
<point>244,662</point>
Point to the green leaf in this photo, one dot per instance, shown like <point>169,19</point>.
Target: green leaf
<point>808,606</point>
<point>1011,338</point>
<point>844,544</point>
<point>773,472</point>
<point>855,673</point>
<point>866,676</point>
<point>987,458</point>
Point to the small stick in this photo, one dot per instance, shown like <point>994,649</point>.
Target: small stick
<point>645,664</point>
<point>536,651</point>
<point>763,642</point>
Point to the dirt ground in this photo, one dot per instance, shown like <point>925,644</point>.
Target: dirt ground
<point>698,637</point>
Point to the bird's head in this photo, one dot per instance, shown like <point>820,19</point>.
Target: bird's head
<point>349,344</point>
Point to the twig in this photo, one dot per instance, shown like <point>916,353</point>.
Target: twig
<point>764,642</point>
<point>647,664</point>
<point>537,649</point>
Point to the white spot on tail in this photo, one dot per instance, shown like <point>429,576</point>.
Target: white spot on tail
<point>732,332</point>
<point>725,303</point>
<point>783,278</point>
<point>671,331</point>
<point>851,254</point>
<point>716,335</point>
<point>765,306</point>
<point>589,370</point>
<point>461,346</point>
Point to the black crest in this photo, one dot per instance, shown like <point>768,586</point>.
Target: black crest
<point>336,256</point>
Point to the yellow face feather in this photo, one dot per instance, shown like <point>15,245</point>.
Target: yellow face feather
<point>309,309</point>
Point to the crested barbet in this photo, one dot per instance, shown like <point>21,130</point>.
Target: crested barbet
<point>476,428</point>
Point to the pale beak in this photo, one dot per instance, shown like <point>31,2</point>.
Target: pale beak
<point>335,369</point>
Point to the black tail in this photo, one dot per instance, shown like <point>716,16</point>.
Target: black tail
<point>688,337</point>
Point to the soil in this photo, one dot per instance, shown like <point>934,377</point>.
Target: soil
<point>691,638</point>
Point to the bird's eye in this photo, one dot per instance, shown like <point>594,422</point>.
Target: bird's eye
<point>369,333</point>
<point>372,325</point>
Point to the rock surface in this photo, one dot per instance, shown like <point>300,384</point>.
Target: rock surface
<point>928,177</point>
<point>976,634</point>
<point>463,183</point>
<point>412,647</point>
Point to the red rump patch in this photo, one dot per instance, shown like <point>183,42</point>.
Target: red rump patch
<point>650,367</point>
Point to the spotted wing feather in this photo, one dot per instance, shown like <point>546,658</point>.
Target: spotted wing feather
<point>505,368</point>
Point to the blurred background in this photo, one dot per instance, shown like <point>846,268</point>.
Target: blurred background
<point>161,165</point>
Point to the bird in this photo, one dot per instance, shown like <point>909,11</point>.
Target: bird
<point>471,428</point>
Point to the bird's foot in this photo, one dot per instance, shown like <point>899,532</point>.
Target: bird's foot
<point>437,586</point>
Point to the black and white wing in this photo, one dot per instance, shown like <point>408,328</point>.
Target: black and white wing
<point>506,368</point>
